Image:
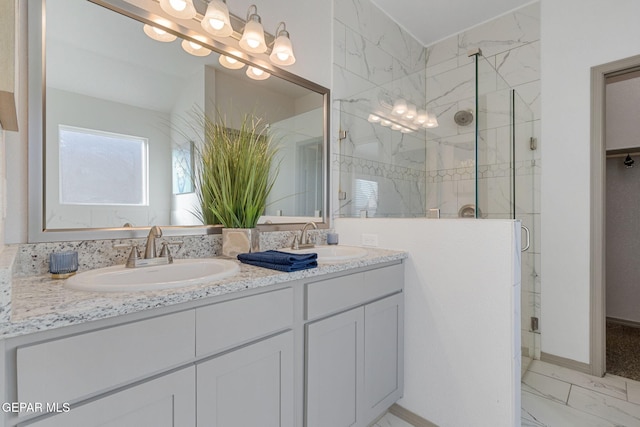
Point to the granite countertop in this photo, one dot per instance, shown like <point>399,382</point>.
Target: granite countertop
<point>40,303</point>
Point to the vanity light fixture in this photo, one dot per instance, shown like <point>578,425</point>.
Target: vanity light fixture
<point>432,121</point>
<point>411,112</point>
<point>257,73</point>
<point>253,35</point>
<point>421,117</point>
<point>282,51</point>
<point>216,19</point>
<point>181,9</point>
<point>158,34</point>
<point>399,107</point>
<point>229,62</point>
<point>194,48</point>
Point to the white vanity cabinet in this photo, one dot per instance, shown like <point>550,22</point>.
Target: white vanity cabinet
<point>166,401</point>
<point>252,386</point>
<point>354,355</point>
<point>316,352</point>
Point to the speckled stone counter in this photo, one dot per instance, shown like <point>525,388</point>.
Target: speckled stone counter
<point>40,303</point>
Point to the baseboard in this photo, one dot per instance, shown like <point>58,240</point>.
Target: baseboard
<point>408,416</point>
<point>624,322</point>
<point>566,363</point>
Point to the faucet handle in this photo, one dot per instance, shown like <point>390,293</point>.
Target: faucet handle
<point>294,244</point>
<point>165,252</point>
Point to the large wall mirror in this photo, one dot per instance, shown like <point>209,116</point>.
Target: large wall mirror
<point>113,132</point>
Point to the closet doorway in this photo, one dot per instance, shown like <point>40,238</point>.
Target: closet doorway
<point>615,219</point>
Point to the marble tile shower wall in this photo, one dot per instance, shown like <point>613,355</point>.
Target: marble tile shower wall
<point>375,62</point>
<point>511,45</point>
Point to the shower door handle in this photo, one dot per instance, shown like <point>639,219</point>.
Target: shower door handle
<point>528,239</point>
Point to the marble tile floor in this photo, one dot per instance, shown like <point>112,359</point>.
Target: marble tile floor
<point>554,396</point>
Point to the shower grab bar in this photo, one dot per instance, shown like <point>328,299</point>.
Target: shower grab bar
<point>528,240</point>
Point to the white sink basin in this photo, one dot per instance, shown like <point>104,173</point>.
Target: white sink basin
<point>332,253</point>
<point>182,272</point>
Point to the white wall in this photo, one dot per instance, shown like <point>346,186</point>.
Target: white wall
<point>576,35</point>
<point>462,322</point>
<point>72,109</point>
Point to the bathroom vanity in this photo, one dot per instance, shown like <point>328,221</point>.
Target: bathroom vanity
<point>320,347</point>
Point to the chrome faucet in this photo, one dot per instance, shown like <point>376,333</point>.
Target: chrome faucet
<point>305,241</point>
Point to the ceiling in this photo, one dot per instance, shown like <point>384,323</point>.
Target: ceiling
<point>433,20</point>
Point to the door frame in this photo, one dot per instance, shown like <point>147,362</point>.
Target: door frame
<point>597,327</point>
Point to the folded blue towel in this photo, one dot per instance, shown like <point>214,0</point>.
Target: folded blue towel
<point>277,257</point>
<point>283,267</point>
<point>282,261</point>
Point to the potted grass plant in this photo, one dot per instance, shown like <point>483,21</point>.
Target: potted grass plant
<point>236,173</point>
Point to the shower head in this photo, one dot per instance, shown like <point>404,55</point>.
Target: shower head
<point>628,161</point>
<point>463,117</point>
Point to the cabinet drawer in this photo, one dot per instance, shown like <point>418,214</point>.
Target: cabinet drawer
<point>329,296</point>
<point>67,369</point>
<point>232,323</point>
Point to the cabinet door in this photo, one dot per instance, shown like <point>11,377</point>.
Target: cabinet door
<point>251,386</point>
<point>167,401</point>
<point>334,370</point>
<point>383,354</point>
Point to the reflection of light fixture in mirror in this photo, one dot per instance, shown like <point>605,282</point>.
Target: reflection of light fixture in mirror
<point>399,107</point>
<point>411,112</point>
<point>373,118</point>
<point>182,9</point>
<point>257,73</point>
<point>385,123</point>
<point>216,19</point>
<point>253,35</point>
<point>421,117</point>
<point>406,130</point>
<point>158,34</point>
<point>282,52</point>
<point>229,62</point>
<point>432,121</point>
<point>194,48</point>
<point>396,126</point>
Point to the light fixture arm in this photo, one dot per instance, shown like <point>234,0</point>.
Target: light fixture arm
<point>255,13</point>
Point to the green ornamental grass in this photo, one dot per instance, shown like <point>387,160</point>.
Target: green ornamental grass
<point>235,176</point>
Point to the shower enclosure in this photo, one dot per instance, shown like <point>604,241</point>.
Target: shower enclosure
<point>452,144</point>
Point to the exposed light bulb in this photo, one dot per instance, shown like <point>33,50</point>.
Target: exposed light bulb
<point>411,112</point>
<point>178,5</point>
<point>399,107</point>
<point>216,23</point>
<point>216,19</point>
<point>158,34</point>
<point>282,52</point>
<point>194,48</point>
<point>182,9</point>
<point>253,35</point>
<point>230,62</point>
<point>257,73</point>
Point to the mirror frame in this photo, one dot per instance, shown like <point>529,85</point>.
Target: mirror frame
<point>37,231</point>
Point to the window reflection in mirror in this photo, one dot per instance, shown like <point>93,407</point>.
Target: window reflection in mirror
<point>105,75</point>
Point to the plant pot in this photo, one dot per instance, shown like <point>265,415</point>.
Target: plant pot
<point>239,241</point>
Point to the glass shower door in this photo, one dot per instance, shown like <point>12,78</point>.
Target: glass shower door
<point>505,178</point>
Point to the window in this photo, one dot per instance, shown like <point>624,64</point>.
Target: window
<point>102,168</point>
<point>366,197</point>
